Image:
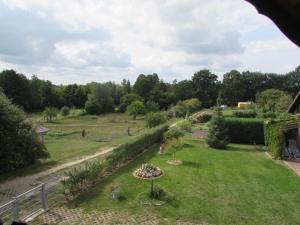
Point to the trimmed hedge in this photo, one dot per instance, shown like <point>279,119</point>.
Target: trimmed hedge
<point>245,130</point>
<point>244,113</point>
<point>82,178</point>
<point>133,148</point>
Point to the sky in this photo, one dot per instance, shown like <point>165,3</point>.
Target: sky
<point>79,41</point>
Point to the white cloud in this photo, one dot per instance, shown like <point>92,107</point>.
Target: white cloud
<point>100,40</point>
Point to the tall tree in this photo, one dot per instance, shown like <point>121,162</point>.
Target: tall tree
<point>206,87</point>
<point>145,84</point>
<point>16,87</point>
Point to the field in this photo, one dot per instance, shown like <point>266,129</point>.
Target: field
<point>235,186</point>
<point>65,143</point>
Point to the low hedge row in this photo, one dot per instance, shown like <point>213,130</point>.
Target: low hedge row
<point>82,178</point>
<point>245,130</point>
<point>133,148</point>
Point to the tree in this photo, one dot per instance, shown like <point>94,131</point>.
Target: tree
<point>273,101</point>
<point>99,100</point>
<point>151,106</point>
<point>144,84</point>
<point>65,111</point>
<point>20,145</point>
<point>127,99</point>
<point>50,112</point>
<point>173,138</point>
<point>218,132</point>
<point>136,108</point>
<point>206,87</point>
<point>16,87</point>
<point>155,118</point>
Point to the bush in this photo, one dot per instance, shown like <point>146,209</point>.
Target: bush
<point>245,130</point>
<point>244,113</point>
<point>173,133</point>
<point>50,112</point>
<point>20,144</point>
<point>185,125</point>
<point>132,149</point>
<point>203,117</point>
<point>65,111</point>
<point>182,108</point>
<point>218,133</point>
<point>80,179</point>
<point>155,119</point>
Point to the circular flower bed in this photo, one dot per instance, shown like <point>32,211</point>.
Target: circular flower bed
<point>148,171</point>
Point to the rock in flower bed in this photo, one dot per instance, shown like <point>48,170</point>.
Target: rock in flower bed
<point>148,171</point>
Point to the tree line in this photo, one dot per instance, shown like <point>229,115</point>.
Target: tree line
<point>35,94</point>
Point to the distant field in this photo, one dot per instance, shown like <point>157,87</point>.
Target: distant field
<point>64,141</point>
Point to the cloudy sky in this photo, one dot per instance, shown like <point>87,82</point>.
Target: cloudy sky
<point>68,41</point>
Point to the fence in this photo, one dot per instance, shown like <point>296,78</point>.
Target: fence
<point>28,204</point>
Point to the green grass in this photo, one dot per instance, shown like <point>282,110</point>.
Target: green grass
<point>64,141</point>
<point>237,186</point>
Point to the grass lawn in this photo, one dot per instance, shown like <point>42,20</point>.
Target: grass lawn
<point>64,141</point>
<point>237,186</point>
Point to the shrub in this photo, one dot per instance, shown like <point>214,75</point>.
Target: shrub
<point>245,113</point>
<point>185,125</point>
<point>65,111</point>
<point>80,179</point>
<point>218,133</point>
<point>173,133</point>
<point>245,130</point>
<point>20,145</point>
<point>155,119</point>
<point>50,112</point>
<point>132,149</point>
<point>203,117</point>
<point>182,108</point>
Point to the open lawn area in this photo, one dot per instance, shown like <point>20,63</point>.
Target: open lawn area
<point>239,185</point>
<point>65,143</point>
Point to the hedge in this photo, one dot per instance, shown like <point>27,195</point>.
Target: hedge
<point>133,148</point>
<point>245,130</point>
<point>81,179</point>
<point>244,113</point>
<point>275,133</point>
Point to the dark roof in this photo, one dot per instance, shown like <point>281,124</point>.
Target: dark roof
<point>284,13</point>
<point>41,130</point>
<point>294,103</point>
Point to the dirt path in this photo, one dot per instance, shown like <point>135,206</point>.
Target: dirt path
<point>18,185</point>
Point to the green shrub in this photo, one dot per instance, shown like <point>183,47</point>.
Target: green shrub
<point>19,143</point>
<point>81,178</point>
<point>173,133</point>
<point>244,113</point>
<point>155,118</point>
<point>185,125</point>
<point>274,138</point>
<point>245,130</point>
<point>132,149</point>
<point>50,112</point>
<point>218,133</point>
<point>65,111</point>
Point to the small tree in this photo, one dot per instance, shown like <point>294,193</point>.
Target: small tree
<point>173,138</point>
<point>65,111</point>
<point>50,112</point>
<point>218,132</point>
<point>135,108</point>
<point>155,119</point>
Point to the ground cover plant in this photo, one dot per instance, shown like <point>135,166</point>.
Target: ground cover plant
<point>236,186</point>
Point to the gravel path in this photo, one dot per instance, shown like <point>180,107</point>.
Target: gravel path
<point>18,185</point>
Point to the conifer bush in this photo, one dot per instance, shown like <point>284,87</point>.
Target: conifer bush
<point>218,132</point>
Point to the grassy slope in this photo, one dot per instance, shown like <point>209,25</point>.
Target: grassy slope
<point>238,186</point>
